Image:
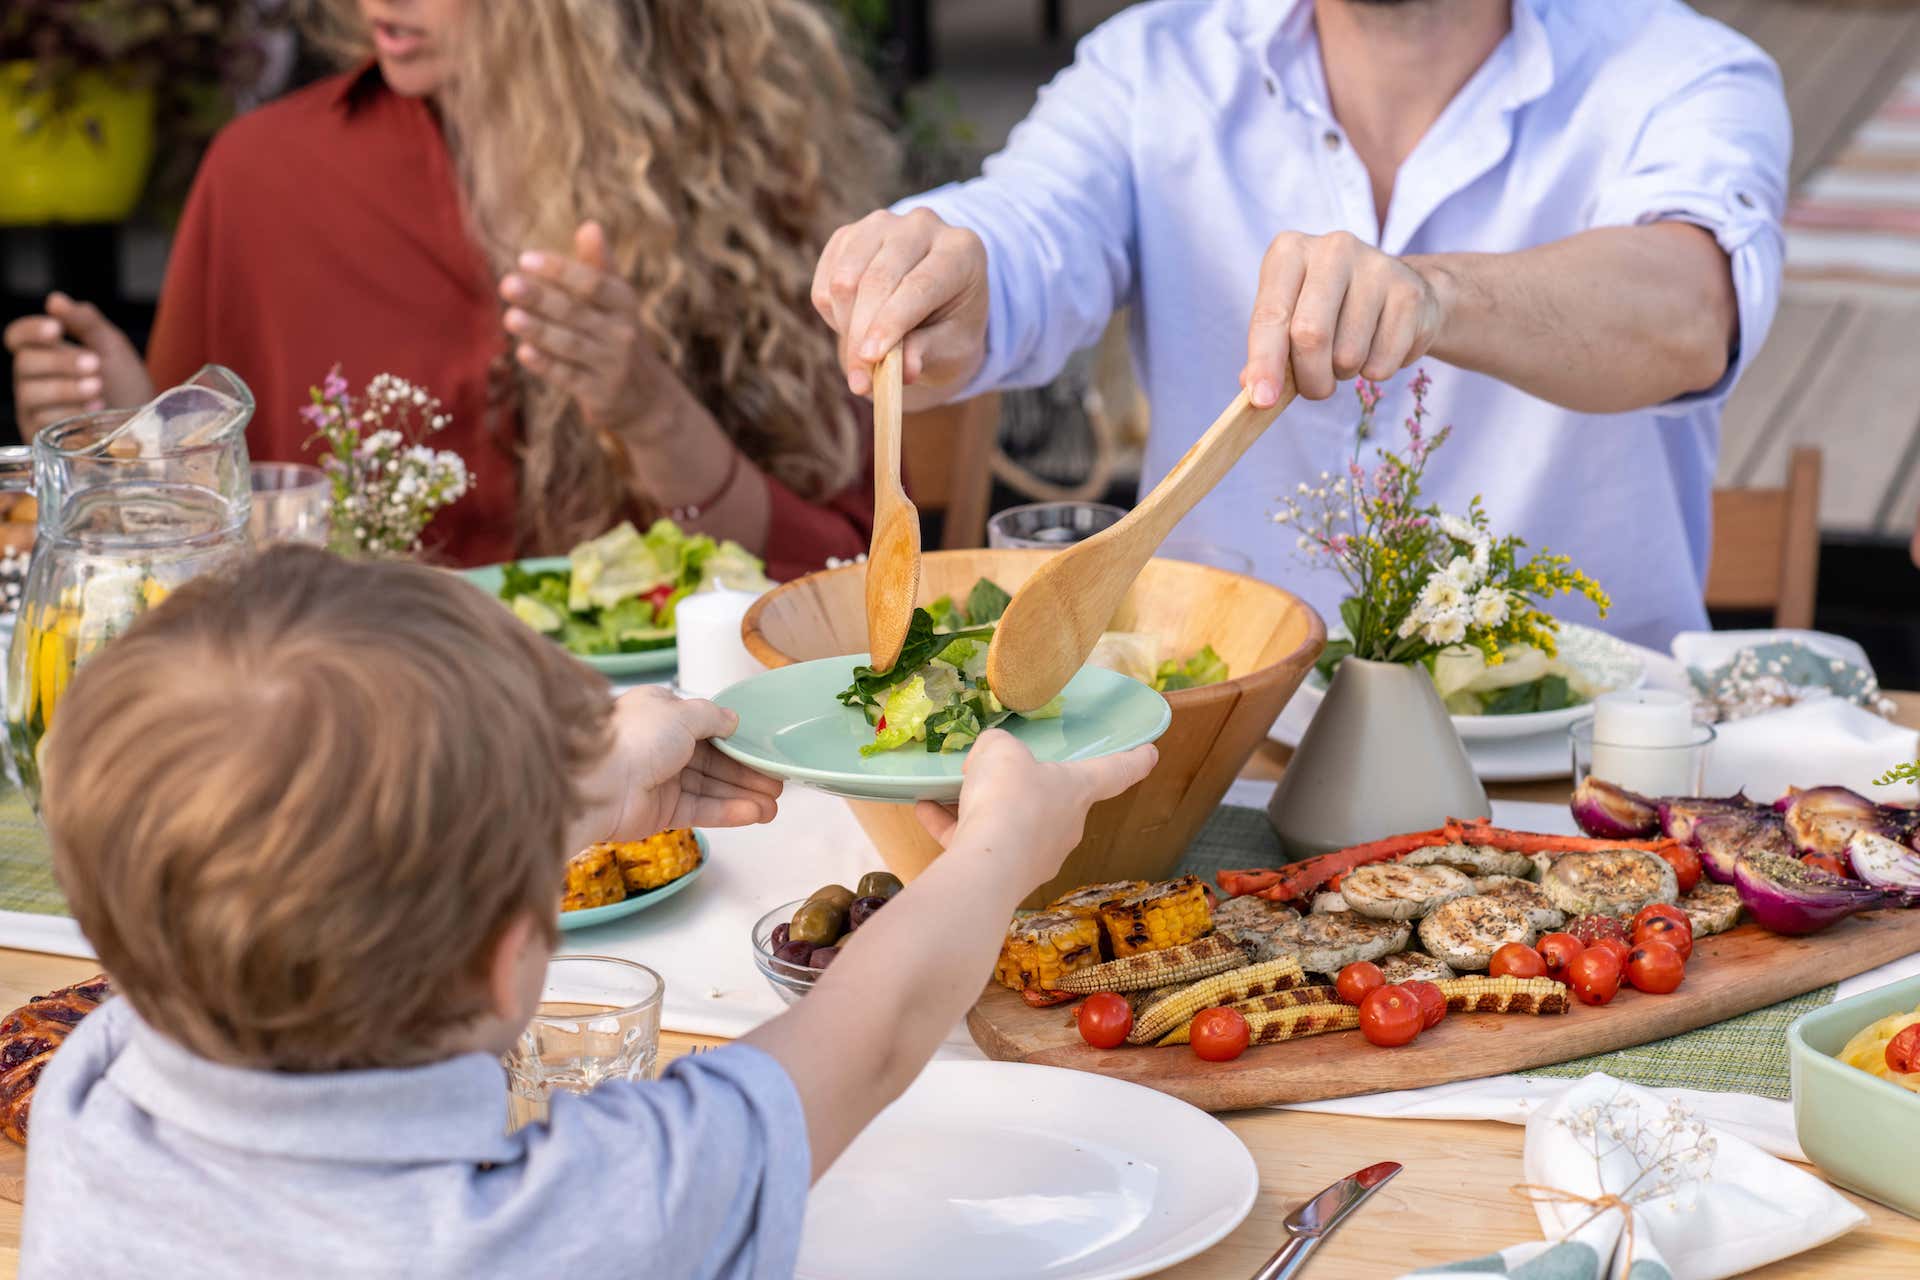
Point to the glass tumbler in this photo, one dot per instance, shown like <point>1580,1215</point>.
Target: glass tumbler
<point>1679,769</point>
<point>599,1019</point>
<point>1048,526</point>
<point>292,502</point>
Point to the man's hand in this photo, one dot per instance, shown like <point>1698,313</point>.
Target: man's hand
<point>889,279</point>
<point>1337,308</point>
<point>54,378</point>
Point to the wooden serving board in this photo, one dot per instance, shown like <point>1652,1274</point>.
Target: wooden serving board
<point>1730,973</point>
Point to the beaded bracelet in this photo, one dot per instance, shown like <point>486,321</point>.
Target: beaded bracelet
<point>693,510</point>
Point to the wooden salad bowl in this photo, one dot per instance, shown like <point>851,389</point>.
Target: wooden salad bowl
<point>1268,637</point>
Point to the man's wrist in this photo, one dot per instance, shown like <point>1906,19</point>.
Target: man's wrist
<point>1445,285</point>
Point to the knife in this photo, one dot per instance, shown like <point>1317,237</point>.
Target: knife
<point>1315,1220</point>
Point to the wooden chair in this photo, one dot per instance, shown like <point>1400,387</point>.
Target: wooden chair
<point>947,454</point>
<point>1766,546</point>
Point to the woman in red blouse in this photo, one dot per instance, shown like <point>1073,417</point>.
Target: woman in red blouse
<point>588,226</point>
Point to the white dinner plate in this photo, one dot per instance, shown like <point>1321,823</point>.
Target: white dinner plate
<point>1004,1169</point>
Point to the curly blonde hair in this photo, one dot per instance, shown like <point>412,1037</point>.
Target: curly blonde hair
<point>719,143</point>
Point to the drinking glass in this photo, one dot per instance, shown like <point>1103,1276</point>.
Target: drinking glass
<point>1048,526</point>
<point>1193,551</point>
<point>1678,770</point>
<point>599,1019</point>
<point>292,502</point>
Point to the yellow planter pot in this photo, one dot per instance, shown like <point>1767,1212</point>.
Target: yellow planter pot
<point>85,164</point>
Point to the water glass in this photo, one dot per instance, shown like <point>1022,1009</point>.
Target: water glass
<point>1677,770</point>
<point>1193,551</point>
<point>599,1019</point>
<point>1048,526</point>
<point>292,502</point>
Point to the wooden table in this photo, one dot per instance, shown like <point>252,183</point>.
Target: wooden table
<point>1452,1202</point>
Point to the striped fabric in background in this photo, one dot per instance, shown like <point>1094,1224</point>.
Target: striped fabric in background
<point>1853,230</point>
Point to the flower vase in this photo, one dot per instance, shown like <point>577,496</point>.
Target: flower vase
<point>1380,758</point>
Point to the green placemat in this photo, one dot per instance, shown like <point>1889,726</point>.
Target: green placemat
<point>1744,1054</point>
<point>26,864</point>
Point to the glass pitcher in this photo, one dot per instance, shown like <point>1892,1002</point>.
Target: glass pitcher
<point>132,503</point>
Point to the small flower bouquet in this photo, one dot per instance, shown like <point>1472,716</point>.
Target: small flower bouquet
<point>386,485</point>
<point>1424,581</point>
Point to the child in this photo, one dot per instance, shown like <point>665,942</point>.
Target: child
<point>313,816</point>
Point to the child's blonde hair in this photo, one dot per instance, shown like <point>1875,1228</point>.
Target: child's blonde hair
<point>295,805</point>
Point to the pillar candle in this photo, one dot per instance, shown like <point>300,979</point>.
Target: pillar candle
<point>1640,741</point>
<point>711,654</point>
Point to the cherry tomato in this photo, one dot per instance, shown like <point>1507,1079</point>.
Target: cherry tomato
<point>1105,1020</point>
<point>1219,1035</point>
<point>1620,949</point>
<point>1685,863</point>
<point>1517,960</point>
<point>1656,966</point>
<point>1903,1051</point>
<point>1558,950</point>
<point>659,596</point>
<point>1595,975</point>
<point>1390,1016</point>
<point>1590,929</point>
<point>1357,979</point>
<point>1433,1005</point>
<point>1824,862</point>
<point>1666,909</point>
<point>1663,929</point>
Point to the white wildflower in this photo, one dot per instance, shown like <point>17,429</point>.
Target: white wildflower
<point>1441,594</point>
<point>1463,573</point>
<point>1490,607</point>
<point>1458,529</point>
<point>1446,627</point>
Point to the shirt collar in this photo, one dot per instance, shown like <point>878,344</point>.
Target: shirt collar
<point>452,1110</point>
<point>359,87</point>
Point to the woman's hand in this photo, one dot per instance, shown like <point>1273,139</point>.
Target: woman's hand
<point>54,378</point>
<point>575,325</point>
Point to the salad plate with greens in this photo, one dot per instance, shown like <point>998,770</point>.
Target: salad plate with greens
<point>610,601</point>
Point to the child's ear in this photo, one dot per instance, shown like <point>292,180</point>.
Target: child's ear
<point>517,969</point>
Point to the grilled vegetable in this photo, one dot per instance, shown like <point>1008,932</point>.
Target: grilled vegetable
<point>1297,998</point>
<point>593,879</point>
<point>1615,882</point>
<point>1409,965</point>
<point>1188,962</point>
<point>1252,923</point>
<point>657,860</point>
<point>1680,814</point>
<point>1156,917</point>
<point>1038,998</point>
<point>1613,813</point>
<point>1043,948</point>
<point>1086,900</point>
<point>1526,895</point>
<point>1883,863</point>
<point>1105,1020</point>
<point>1327,944</point>
<point>1219,1035</point>
<point>1824,819</point>
<point>1391,1017</point>
<point>1723,836</point>
<point>1471,860</point>
<point>1466,932</point>
<point>1305,1020</point>
<point>1481,831</point>
<point>1504,995</point>
<point>1329,902</point>
<point>1787,897</point>
<point>1711,908</point>
<point>1395,891</point>
<point>1297,880</point>
<point>1223,988</point>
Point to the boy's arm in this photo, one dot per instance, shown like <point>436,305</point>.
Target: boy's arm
<point>874,1019</point>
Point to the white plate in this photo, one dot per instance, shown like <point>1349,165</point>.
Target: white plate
<point>1003,1169</point>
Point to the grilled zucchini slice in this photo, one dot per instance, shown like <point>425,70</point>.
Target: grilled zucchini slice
<point>1609,882</point>
<point>1411,965</point>
<point>1472,860</point>
<point>1328,943</point>
<point>1394,891</point>
<point>1526,895</point>
<point>1713,908</point>
<point>1252,922</point>
<point>1467,931</point>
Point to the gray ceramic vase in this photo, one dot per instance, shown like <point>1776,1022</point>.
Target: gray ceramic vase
<point>1381,757</point>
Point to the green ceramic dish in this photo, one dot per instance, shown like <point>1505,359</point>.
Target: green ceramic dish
<point>1861,1130</point>
<point>792,727</point>
<point>591,916</point>
<point>614,665</point>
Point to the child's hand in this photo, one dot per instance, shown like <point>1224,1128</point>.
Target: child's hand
<point>663,773</point>
<point>1027,813</point>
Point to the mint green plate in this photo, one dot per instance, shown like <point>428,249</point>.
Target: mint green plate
<point>590,916</point>
<point>1861,1130</point>
<point>792,727</point>
<point>612,665</point>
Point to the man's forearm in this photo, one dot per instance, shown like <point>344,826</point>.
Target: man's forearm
<point>1606,321</point>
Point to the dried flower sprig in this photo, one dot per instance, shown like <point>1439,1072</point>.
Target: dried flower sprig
<point>387,486</point>
<point>1420,579</point>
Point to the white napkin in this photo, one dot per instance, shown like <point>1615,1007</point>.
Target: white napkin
<point>1826,742</point>
<point>1705,1204</point>
<point>1706,650</point>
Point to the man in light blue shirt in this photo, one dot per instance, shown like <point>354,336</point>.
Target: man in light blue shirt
<point>1575,205</point>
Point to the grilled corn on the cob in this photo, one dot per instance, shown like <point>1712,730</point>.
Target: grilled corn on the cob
<point>1188,963</point>
<point>1273,1000</point>
<point>1086,900</point>
<point>657,860</point>
<point>1503,995</point>
<point>1156,917</point>
<point>1043,948</point>
<point>1222,988</point>
<point>593,880</point>
<point>1306,1020</point>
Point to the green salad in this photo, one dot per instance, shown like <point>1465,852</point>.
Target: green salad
<point>937,695</point>
<point>619,591</point>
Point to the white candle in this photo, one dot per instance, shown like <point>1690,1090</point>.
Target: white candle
<point>1640,741</point>
<point>711,654</point>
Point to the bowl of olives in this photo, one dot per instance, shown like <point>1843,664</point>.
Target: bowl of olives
<point>793,944</point>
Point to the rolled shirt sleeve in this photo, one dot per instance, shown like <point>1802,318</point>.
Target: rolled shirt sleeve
<point>1056,212</point>
<point>1715,154</point>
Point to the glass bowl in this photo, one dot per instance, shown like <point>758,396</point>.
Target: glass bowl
<point>788,981</point>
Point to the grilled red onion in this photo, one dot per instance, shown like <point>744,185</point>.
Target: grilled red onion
<point>1787,896</point>
<point>1721,838</point>
<point>1884,863</point>
<point>1825,819</point>
<point>1678,814</point>
<point>1613,813</point>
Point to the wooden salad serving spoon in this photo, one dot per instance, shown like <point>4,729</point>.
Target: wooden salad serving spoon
<point>1058,614</point>
<point>893,558</point>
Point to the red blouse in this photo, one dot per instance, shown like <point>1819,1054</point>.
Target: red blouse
<point>327,228</point>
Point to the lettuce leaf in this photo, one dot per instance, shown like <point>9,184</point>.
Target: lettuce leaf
<point>905,713</point>
<point>986,602</point>
<point>1203,668</point>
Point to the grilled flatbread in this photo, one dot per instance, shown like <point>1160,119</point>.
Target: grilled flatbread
<point>1472,860</point>
<point>1467,931</point>
<point>1328,943</point>
<point>1611,882</point>
<point>1394,891</point>
<point>1526,895</point>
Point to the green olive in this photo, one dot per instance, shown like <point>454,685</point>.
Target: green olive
<point>818,922</point>
<point>838,894</point>
<point>878,884</point>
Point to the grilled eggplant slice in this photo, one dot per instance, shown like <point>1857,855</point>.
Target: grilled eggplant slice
<point>1328,943</point>
<point>1465,932</point>
<point>1409,965</point>
<point>1330,902</point>
<point>1526,895</point>
<point>1472,860</point>
<point>1251,923</point>
<point>1713,908</point>
<point>1609,882</point>
<point>1395,891</point>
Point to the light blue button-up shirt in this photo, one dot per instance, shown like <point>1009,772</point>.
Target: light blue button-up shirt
<point>147,1161</point>
<point>1187,133</point>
